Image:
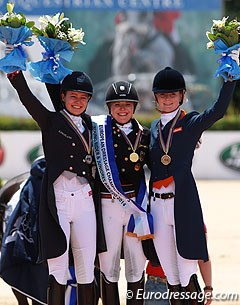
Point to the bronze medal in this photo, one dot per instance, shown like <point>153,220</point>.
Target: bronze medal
<point>88,159</point>
<point>166,159</point>
<point>134,157</point>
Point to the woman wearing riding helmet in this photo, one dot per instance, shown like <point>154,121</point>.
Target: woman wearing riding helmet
<point>66,206</point>
<point>175,205</point>
<point>121,150</point>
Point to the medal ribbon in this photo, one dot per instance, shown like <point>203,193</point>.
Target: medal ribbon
<point>138,138</point>
<point>166,146</point>
<point>141,222</point>
<point>87,145</point>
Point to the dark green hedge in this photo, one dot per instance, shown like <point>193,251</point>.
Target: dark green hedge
<point>229,122</point>
<point>13,123</point>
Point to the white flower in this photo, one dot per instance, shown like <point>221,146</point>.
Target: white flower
<point>56,20</point>
<point>59,27</point>
<point>220,23</point>
<point>62,36</point>
<point>210,45</point>
<point>76,35</point>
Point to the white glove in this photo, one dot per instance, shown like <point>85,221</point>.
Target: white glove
<point>235,55</point>
<point>9,48</point>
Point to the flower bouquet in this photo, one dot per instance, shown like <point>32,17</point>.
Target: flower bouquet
<point>59,39</point>
<point>224,38</point>
<point>15,31</point>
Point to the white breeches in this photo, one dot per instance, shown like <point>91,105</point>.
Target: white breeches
<point>77,218</point>
<point>115,221</point>
<point>178,270</point>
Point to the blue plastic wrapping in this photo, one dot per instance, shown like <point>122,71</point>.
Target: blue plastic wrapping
<point>228,68</point>
<point>51,69</point>
<point>16,59</point>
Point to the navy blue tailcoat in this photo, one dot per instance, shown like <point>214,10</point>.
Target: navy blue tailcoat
<point>190,236</point>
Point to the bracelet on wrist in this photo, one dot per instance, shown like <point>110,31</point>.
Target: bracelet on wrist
<point>208,288</point>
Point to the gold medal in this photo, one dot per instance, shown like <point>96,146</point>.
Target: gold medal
<point>166,159</point>
<point>134,157</point>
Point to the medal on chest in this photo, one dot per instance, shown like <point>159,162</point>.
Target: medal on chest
<point>133,157</point>
<point>166,159</point>
<point>88,159</point>
<point>87,143</point>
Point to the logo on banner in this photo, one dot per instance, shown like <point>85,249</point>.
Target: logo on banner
<point>230,156</point>
<point>34,153</point>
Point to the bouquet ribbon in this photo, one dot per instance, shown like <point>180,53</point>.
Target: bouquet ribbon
<point>16,59</point>
<point>228,68</point>
<point>51,69</point>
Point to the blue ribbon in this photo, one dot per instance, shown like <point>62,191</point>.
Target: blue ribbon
<point>51,69</point>
<point>228,68</point>
<point>72,282</point>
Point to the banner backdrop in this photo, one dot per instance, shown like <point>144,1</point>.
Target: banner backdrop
<point>130,40</point>
<point>37,7</point>
<point>134,45</point>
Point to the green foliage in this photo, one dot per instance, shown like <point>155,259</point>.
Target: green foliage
<point>14,20</point>
<point>13,123</point>
<point>226,30</point>
<point>229,122</point>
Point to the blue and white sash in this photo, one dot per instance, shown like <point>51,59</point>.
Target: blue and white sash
<point>71,288</point>
<point>141,223</point>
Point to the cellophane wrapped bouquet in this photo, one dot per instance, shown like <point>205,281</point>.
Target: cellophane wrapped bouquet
<point>59,39</point>
<point>15,32</point>
<point>224,38</point>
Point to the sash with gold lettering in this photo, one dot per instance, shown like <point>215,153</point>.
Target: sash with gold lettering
<point>141,222</point>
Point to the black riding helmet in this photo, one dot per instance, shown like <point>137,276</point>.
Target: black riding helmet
<point>77,81</point>
<point>122,91</point>
<point>168,80</point>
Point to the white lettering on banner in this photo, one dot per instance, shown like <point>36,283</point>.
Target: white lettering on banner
<point>126,4</point>
<point>151,4</point>
<point>106,175</point>
<point>27,5</point>
<point>67,3</point>
<point>53,3</point>
<point>31,5</point>
<point>41,7</point>
<point>92,4</point>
